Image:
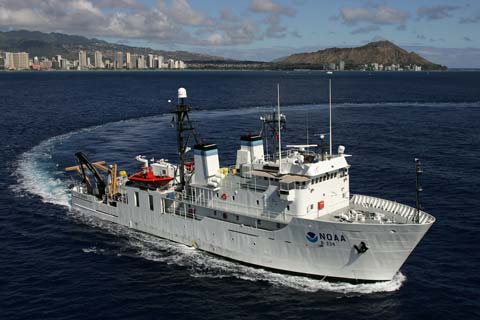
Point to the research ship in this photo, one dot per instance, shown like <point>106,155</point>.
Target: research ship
<point>290,210</point>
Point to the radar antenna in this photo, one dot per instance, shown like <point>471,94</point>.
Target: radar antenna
<point>273,124</point>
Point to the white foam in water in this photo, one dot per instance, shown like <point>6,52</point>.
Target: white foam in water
<point>35,176</point>
<point>93,250</point>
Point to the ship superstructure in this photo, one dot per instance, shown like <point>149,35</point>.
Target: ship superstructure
<point>290,210</point>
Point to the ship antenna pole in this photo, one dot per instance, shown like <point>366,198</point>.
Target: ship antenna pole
<point>279,131</point>
<point>418,171</point>
<point>330,110</point>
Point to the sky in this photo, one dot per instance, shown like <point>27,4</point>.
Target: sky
<point>445,32</point>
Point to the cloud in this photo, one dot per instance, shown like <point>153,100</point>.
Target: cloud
<point>366,29</point>
<point>127,4</point>
<point>436,12</point>
<point>421,37</point>
<point>471,19</point>
<point>182,12</point>
<point>380,14</point>
<point>274,28</point>
<point>467,39</point>
<point>295,34</point>
<point>268,6</point>
<point>451,57</point>
<point>161,22</point>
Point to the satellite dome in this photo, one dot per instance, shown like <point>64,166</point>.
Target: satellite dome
<point>182,93</point>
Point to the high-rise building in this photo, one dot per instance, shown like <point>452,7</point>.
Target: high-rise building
<point>82,59</point>
<point>63,64</point>
<point>150,61</point>
<point>171,64</point>
<point>17,60</point>
<point>341,65</point>
<point>98,60</point>
<point>141,62</point>
<point>160,62</point>
<point>128,60</point>
<point>118,60</point>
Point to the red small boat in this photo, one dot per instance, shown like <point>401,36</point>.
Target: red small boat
<point>146,176</point>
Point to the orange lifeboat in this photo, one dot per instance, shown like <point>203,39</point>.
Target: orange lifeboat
<point>146,176</point>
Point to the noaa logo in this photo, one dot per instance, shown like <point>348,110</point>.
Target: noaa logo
<point>311,237</point>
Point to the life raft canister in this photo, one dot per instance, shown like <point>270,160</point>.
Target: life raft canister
<point>224,196</point>
<point>320,205</point>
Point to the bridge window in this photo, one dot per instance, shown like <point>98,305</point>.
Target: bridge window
<point>137,200</point>
<point>150,201</point>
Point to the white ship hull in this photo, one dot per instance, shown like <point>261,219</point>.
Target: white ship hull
<point>330,254</point>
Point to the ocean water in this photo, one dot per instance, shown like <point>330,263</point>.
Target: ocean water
<point>55,264</point>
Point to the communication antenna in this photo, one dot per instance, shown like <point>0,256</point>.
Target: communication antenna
<point>308,134</point>
<point>418,171</point>
<point>279,131</point>
<point>330,110</point>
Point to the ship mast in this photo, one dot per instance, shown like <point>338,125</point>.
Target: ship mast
<point>279,131</point>
<point>418,189</point>
<point>185,130</point>
<point>330,111</point>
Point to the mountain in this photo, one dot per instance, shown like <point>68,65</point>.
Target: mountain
<point>49,44</point>
<point>382,52</point>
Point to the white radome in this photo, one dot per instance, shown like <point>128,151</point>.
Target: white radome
<point>182,93</point>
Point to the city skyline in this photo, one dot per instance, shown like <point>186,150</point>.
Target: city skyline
<point>261,29</point>
<point>24,61</point>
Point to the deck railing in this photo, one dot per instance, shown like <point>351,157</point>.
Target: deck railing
<point>408,213</point>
